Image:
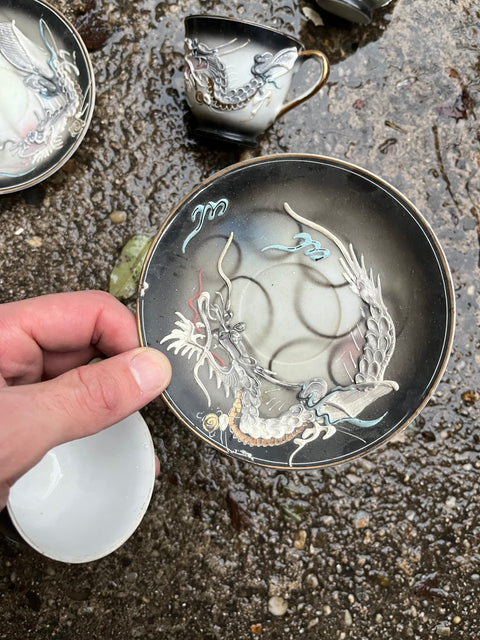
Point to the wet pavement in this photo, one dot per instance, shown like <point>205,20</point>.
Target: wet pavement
<point>384,547</point>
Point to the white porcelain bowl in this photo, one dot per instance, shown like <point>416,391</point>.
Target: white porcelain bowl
<point>85,498</point>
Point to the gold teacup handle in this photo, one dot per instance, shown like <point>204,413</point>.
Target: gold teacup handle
<point>322,59</point>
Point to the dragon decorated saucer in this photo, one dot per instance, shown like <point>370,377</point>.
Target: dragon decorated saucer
<point>47,95</point>
<point>306,307</point>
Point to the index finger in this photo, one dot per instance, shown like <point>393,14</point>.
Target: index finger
<point>62,322</point>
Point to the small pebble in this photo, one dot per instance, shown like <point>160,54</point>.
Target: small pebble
<point>311,581</point>
<point>368,539</point>
<point>348,618</point>
<point>450,502</point>
<point>131,577</point>
<point>353,479</point>
<point>277,606</point>
<point>362,520</point>
<point>35,241</point>
<point>117,217</point>
<point>366,464</point>
<point>315,17</point>
<point>300,539</point>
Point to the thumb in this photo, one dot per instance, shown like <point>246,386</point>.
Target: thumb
<point>34,418</point>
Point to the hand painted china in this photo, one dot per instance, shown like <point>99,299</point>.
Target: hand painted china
<point>306,307</point>
<point>47,92</point>
<point>238,75</point>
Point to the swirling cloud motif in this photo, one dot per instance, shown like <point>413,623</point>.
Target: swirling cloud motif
<point>312,248</point>
<point>202,212</point>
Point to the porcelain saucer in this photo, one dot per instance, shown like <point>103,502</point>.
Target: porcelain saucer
<point>48,92</point>
<point>306,307</point>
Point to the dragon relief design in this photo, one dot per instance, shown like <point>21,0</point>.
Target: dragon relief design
<point>214,340</point>
<point>206,75</point>
<point>51,98</point>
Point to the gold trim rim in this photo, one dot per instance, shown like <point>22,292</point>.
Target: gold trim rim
<point>91,76</point>
<point>450,300</point>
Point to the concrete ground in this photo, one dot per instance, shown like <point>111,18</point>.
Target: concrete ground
<point>383,547</point>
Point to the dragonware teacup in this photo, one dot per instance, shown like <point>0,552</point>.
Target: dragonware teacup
<point>238,74</point>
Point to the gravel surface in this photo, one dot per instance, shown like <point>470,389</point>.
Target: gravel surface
<point>384,547</point>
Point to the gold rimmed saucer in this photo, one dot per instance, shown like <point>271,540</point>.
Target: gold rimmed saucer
<point>306,307</point>
<point>48,92</point>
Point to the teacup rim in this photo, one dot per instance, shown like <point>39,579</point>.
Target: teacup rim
<point>248,23</point>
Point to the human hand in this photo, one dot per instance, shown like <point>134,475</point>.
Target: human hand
<point>47,395</point>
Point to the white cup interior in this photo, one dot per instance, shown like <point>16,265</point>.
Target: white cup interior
<point>85,498</point>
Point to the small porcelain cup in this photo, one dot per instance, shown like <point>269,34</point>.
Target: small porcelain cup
<point>85,498</point>
<point>238,74</point>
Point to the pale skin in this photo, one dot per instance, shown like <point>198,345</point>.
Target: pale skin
<point>49,394</point>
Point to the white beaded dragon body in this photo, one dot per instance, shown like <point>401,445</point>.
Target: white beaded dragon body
<point>208,74</point>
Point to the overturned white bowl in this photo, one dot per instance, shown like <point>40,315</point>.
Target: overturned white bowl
<point>85,498</point>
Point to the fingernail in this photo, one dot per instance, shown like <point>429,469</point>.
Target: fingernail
<point>148,368</point>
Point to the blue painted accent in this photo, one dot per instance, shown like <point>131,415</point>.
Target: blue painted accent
<point>274,83</point>
<point>53,56</point>
<point>50,62</point>
<point>205,211</point>
<point>313,248</point>
<point>310,403</point>
<point>16,175</point>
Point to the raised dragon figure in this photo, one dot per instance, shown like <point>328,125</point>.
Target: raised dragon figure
<point>49,79</point>
<point>215,341</point>
<point>207,73</point>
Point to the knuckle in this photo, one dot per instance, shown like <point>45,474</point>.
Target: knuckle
<point>95,394</point>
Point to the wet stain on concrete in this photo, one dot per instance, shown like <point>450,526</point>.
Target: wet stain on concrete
<point>383,547</point>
